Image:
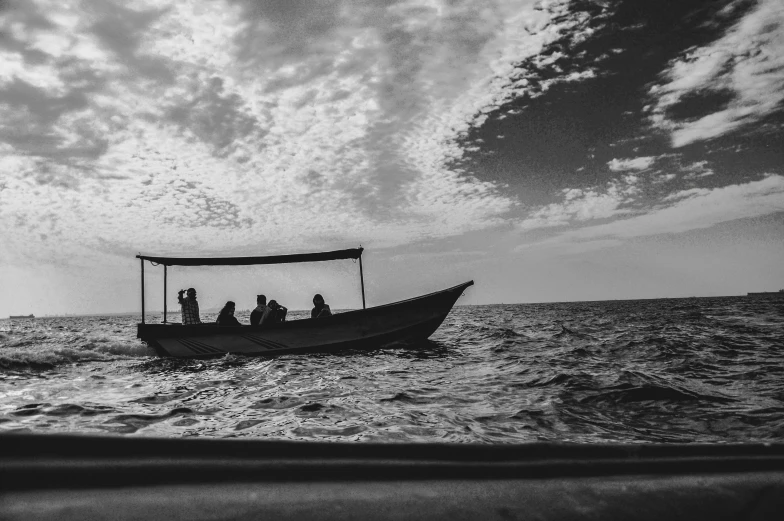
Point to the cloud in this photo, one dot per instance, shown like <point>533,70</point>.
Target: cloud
<point>734,82</point>
<point>452,256</point>
<point>690,209</point>
<point>635,163</point>
<point>697,169</point>
<point>584,205</point>
<point>238,126</point>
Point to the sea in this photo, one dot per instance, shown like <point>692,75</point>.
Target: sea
<point>696,370</point>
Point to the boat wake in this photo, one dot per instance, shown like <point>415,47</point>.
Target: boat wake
<point>49,343</point>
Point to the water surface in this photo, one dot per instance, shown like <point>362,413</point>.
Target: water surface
<point>668,370</point>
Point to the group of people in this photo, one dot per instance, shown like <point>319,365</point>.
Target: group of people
<point>264,313</point>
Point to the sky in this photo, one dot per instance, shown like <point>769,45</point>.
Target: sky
<point>549,150</point>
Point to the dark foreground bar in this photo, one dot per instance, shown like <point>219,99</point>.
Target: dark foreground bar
<point>80,477</point>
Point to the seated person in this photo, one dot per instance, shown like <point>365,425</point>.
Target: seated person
<point>321,309</point>
<point>226,316</point>
<point>277,315</point>
<point>261,310</point>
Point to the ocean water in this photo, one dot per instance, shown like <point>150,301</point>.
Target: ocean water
<point>668,370</point>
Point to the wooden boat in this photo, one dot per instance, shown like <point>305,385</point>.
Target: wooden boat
<point>403,322</point>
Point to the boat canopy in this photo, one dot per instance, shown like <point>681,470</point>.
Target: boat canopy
<point>353,253</point>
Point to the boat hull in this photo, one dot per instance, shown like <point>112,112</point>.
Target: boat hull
<point>402,322</point>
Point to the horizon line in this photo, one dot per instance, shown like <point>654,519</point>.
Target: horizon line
<point>212,310</point>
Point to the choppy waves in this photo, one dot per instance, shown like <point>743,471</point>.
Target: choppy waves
<point>687,370</point>
<point>50,342</point>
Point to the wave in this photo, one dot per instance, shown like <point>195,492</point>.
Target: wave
<point>31,355</point>
<point>505,333</point>
<point>571,381</point>
<point>566,333</point>
<point>53,342</point>
<point>411,397</point>
<point>65,409</point>
<point>654,393</point>
<point>279,402</point>
<point>635,386</point>
<point>130,423</point>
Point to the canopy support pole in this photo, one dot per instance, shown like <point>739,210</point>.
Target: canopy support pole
<point>362,281</point>
<point>142,261</point>
<point>164,293</point>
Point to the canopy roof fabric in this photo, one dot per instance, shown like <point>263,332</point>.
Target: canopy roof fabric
<point>353,253</point>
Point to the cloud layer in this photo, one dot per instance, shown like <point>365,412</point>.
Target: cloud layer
<point>680,212</point>
<point>736,81</point>
<point>232,125</point>
<point>581,205</point>
<point>242,127</point>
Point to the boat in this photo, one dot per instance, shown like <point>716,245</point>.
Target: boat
<point>22,316</point>
<point>779,293</point>
<point>399,323</point>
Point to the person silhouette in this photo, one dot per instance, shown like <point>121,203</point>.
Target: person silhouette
<point>189,307</point>
<point>226,316</point>
<point>261,310</point>
<point>320,308</point>
<point>278,313</point>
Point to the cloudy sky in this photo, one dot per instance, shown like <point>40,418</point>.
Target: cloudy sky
<point>550,150</point>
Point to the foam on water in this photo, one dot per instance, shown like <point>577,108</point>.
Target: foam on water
<point>685,370</point>
<point>51,342</point>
